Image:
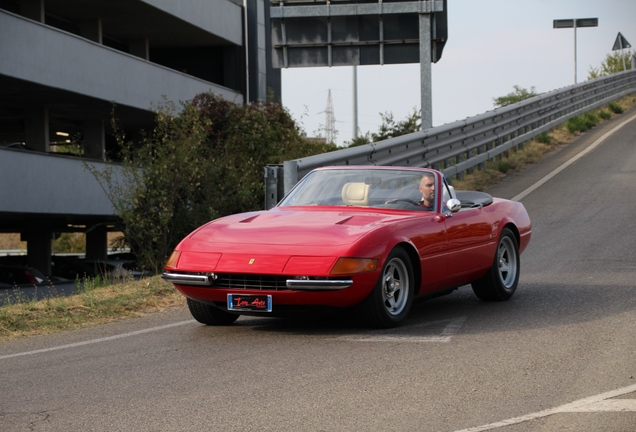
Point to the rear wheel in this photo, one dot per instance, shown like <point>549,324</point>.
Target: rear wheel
<point>390,301</point>
<point>210,315</point>
<point>500,283</point>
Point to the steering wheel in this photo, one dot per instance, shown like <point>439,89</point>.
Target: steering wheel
<point>410,201</point>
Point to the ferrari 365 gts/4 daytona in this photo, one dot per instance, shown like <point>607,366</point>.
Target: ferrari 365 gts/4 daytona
<point>365,239</point>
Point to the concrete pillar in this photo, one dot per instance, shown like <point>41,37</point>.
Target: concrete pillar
<point>91,30</point>
<point>257,47</point>
<point>139,48</point>
<point>96,242</point>
<point>39,249</point>
<point>32,9</point>
<point>634,62</point>
<point>94,139</point>
<point>36,127</point>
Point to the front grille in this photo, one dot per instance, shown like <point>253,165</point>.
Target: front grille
<point>250,281</point>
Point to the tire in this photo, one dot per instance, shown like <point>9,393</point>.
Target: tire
<point>390,301</point>
<point>210,315</point>
<point>501,281</point>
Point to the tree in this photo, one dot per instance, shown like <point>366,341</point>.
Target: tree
<point>517,95</point>
<point>613,63</point>
<point>390,128</point>
<point>202,160</point>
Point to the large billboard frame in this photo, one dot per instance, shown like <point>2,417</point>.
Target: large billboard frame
<point>308,33</point>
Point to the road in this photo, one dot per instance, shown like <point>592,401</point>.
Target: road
<point>560,356</point>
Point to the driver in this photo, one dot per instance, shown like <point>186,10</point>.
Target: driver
<point>427,189</point>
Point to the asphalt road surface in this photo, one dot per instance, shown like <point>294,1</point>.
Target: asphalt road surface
<point>559,356</point>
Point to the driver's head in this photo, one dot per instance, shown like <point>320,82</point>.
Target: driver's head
<point>427,188</point>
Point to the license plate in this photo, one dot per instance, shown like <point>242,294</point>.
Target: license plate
<point>254,303</point>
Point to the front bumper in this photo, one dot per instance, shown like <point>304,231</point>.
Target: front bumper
<point>190,279</point>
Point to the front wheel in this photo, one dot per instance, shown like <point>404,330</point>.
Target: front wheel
<point>210,315</point>
<point>390,301</point>
<point>500,283</point>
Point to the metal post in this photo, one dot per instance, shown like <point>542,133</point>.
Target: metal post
<point>620,43</point>
<point>634,62</point>
<point>425,69</point>
<point>355,102</point>
<point>575,52</point>
<point>290,175</point>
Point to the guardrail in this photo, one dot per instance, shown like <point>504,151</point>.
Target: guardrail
<point>459,147</point>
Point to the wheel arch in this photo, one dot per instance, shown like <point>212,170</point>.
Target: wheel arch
<point>512,227</point>
<point>416,265</point>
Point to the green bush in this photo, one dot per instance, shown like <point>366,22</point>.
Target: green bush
<point>390,128</point>
<point>582,123</point>
<point>544,138</point>
<point>518,95</point>
<point>591,119</point>
<point>613,63</point>
<point>202,161</point>
<point>504,165</point>
<point>576,124</point>
<point>615,108</point>
<point>605,115</point>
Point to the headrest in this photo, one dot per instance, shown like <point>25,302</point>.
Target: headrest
<point>356,194</point>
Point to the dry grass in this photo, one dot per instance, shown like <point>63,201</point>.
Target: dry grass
<point>532,153</point>
<point>11,241</point>
<point>92,306</point>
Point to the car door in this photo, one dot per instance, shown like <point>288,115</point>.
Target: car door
<point>468,234</point>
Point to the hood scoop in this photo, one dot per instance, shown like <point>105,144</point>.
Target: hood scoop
<point>249,219</point>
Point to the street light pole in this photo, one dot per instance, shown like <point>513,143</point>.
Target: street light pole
<point>355,102</point>
<point>575,23</point>
<point>575,79</point>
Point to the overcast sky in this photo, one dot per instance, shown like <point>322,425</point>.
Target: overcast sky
<point>492,46</point>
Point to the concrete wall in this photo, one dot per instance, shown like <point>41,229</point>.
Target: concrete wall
<point>36,53</point>
<point>47,184</point>
<point>216,16</point>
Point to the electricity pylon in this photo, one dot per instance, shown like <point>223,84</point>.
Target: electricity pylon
<point>330,122</point>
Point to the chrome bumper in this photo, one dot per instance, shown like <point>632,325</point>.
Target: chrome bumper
<point>187,279</point>
<point>309,285</point>
<point>293,284</point>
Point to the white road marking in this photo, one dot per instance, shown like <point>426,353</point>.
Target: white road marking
<point>380,336</point>
<point>94,341</point>
<point>598,403</point>
<point>398,335</point>
<point>595,144</point>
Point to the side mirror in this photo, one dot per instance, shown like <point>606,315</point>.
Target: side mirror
<point>452,191</point>
<point>454,205</point>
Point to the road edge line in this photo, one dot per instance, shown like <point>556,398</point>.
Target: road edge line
<point>93,341</point>
<point>595,144</point>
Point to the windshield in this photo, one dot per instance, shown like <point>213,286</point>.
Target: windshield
<point>378,188</point>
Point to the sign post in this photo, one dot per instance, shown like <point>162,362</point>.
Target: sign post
<point>575,23</point>
<point>619,44</point>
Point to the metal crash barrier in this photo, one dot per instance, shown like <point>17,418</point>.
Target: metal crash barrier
<point>459,147</point>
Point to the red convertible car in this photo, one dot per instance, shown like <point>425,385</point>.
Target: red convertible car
<point>365,239</point>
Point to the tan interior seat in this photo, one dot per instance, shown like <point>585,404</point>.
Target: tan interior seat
<point>356,194</point>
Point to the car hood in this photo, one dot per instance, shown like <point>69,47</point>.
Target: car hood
<point>293,227</point>
<point>292,240</point>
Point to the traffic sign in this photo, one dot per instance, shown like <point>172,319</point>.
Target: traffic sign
<point>578,22</point>
<point>621,43</point>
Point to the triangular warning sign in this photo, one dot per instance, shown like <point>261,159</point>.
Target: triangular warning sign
<point>621,42</point>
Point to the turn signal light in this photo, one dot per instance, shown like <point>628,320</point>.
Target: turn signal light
<point>172,261</point>
<point>354,265</point>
